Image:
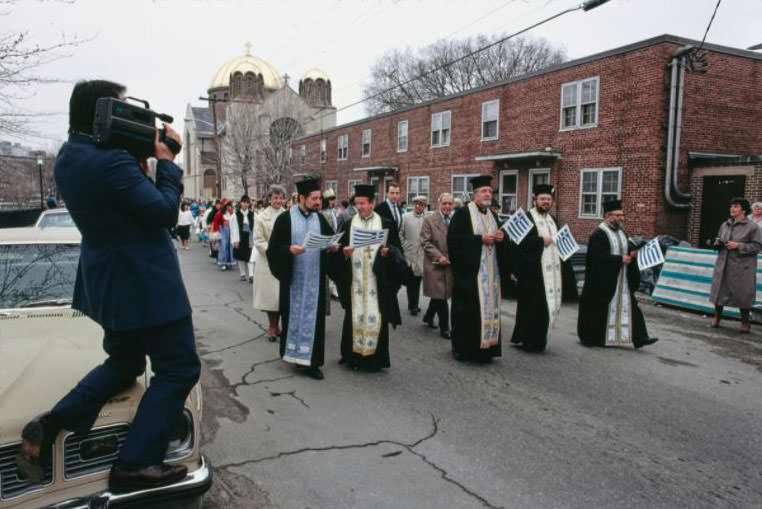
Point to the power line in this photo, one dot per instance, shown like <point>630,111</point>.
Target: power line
<point>303,32</point>
<point>709,25</point>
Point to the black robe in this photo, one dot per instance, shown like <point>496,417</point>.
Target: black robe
<point>243,251</point>
<point>465,254</point>
<point>281,263</point>
<point>601,274</point>
<point>390,272</point>
<point>532,318</point>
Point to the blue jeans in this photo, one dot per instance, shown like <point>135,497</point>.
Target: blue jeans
<point>176,366</point>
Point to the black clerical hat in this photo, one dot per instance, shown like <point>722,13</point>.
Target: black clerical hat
<point>306,186</point>
<point>365,190</point>
<point>611,205</point>
<point>542,189</point>
<point>481,181</point>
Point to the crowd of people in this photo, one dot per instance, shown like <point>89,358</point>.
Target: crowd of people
<point>457,252</point>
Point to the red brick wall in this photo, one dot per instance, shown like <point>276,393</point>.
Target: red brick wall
<point>722,111</point>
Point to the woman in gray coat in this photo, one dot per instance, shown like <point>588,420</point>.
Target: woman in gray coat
<point>734,282</point>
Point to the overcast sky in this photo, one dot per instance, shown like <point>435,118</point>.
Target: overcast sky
<point>167,51</point>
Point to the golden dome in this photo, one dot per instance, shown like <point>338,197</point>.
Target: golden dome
<point>315,74</point>
<point>245,64</point>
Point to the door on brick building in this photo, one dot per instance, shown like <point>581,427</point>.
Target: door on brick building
<point>717,193</point>
<point>508,189</point>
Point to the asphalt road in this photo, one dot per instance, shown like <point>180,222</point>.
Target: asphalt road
<point>676,424</point>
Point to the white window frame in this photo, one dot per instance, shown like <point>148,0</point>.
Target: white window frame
<point>385,187</point>
<point>333,185</point>
<point>418,180</point>
<point>578,105</point>
<point>303,154</point>
<point>351,183</point>
<point>340,146</point>
<point>289,156</point>
<point>406,138</point>
<point>532,173</point>
<point>323,150</point>
<point>496,120</point>
<point>501,192</point>
<point>369,133</point>
<point>598,190</point>
<point>452,184</point>
<point>441,116</point>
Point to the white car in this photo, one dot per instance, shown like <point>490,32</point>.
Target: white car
<point>56,218</point>
<point>45,348</point>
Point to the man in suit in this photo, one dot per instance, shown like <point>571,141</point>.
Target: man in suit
<point>438,280</point>
<point>410,236</point>
<point>129,282</point>
<point>389,208</point>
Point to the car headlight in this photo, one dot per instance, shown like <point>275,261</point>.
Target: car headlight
<point>181,438</point>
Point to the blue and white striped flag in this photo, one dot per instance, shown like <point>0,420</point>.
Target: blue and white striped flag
<point>362,237</point>
<point>650,255</point>
<point>517,226</point>
<point>565,243</point>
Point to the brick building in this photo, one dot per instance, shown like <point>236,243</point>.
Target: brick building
<point>605,126</point>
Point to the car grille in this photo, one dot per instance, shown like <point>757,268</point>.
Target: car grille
<point>10,483</point>
<point>77,466</point>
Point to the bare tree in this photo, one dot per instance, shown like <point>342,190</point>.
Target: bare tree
<point>239,144</point>
<point>394,83</point>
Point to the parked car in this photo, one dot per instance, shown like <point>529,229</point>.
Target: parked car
<point>45,348</point>
<point>55,217</point>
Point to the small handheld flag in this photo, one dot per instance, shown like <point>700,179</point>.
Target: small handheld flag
<point>362,237</point>
<point>318,241</point>
<point>517,226</point>
<point>650,255</point>
<point>565,243</point>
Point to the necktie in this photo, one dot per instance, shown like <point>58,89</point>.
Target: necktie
<point>396,215</point>
<point>447,221</point>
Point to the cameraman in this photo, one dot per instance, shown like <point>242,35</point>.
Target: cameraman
<point>129,282</point>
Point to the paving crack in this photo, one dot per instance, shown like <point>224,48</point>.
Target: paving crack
<point>407,446</point>
<point>292,394</point>
<point>251,370</point>
<point>249,318</point>
<point>230,347</point>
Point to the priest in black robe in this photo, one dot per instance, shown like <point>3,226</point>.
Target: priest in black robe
<point>537,266</point>
<point>301,273</point>
<point>608,311</point>
<point>368,279</point>
<point>476,245</point>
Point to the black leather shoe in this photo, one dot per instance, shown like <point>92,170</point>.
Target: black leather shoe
<point>121,480</point>
<point>37,437</point>
<point>415,311</point>
<point>430,324</point>
<point>445,334</point>
<point>647,341</point>
<point>314,373</point>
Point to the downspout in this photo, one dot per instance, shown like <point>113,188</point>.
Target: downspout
<point>673,129</point>
<point>678,124</point>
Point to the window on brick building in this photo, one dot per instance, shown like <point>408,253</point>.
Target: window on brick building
<point>416,186</point>
<point>289,156</point>
<point>402,136</point>
<point>596,187</point>
<point>440,129</point>
<point>509,191</point>
<point>461,186</point>
<point>323,150</point>
<point>302,154</point>
<point>333,185</point>
<point>366,134</point>
<point>343,147</point>
<point>351,186</point>
<point>490,115</point>
<point>537,176</point>
<point>579,104</point>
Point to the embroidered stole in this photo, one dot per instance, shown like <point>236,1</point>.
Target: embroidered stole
<point>487,279</point>
<point>366,315</point>
<point>551,265</point>
<point>619,323</point>
<point>304,292</point>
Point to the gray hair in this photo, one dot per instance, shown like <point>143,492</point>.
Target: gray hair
<point>276,189</point>
<point>757,204</point>
<point>443,196</point>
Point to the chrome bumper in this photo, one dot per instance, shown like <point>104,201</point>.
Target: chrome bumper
<point>195,483</point>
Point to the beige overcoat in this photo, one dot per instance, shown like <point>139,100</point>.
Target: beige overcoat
<point>438,280</point>
<point>734,282</point>
<point>266,288</point>
<point>410,236</point>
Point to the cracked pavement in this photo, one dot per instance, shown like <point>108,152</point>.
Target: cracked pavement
<point>673,425</point>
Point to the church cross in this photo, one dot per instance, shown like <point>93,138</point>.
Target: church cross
<point>286,78</point>
<point>248,48</point>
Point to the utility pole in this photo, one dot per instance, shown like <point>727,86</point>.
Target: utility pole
<point>40,163</point>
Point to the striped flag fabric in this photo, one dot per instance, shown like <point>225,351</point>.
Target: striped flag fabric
<point>518,225</point>
<point>362,237</point>
<point>565,243</point>
<point>650,255</point>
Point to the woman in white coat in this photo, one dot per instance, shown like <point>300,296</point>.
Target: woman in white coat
<point>266,287</point>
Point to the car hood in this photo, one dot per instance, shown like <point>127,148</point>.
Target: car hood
<point>43,354</point>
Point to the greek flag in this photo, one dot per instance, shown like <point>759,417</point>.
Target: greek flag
<point>362,237</point>
<point>517,226</point>
<point>565,243</point>
<point>650,255</point>
<point>318,241</point>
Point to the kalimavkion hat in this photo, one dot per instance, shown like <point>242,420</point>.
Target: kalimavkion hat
<point>481,181</point>
<point>365,190</point>
<point>542,189</point>
<point>611,205</point>
<point>307,186</point>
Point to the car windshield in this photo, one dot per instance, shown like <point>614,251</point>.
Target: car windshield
<point>56,219</point>
<point>37,274</point>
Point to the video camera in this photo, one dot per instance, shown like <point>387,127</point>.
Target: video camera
<point>122,125</point>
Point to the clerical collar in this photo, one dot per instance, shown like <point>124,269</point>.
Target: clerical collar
<point>481,209</point>
<point>303,213</point>
<point>613,226</point>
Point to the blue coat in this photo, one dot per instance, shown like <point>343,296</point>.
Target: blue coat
<point>129,276</point>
